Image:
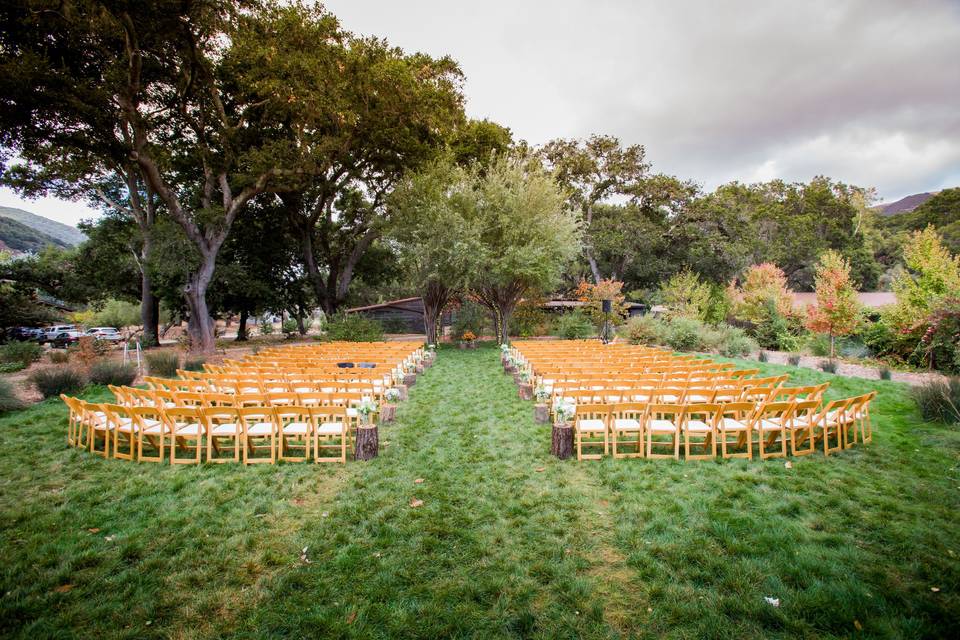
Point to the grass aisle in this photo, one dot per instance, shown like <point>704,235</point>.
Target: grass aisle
<point>509,542</point>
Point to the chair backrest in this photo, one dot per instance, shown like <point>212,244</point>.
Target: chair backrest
<point>328,413</point>
<point>703,411</point>
<point>666,411</point>
<point>277,398</point>
<point>630,410</point>
<point>593,411</point>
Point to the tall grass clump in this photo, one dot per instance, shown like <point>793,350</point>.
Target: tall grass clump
<point>762,356</point>
<point>56,356</point>
<point>22,353</point>
<point>886,373</point>
<point>574,325</point>
<point>52,381</point>
<point>828,366</point>
<point>8,398</point>
<point>163,363</point>
<point>116,373</point>
<point>194,364</point>
<point>939,400</point>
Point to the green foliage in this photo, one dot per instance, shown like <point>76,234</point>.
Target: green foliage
<point>56,356</point>
<point>529,320</point>
<point>9,401</point>
<point>818,344</point>
<point>646,329</point>
<point>394,325</point>
<point>162,363</point>
<point>939,400</point>
<point>941,211</point>
<point>762,357</point>
<point>940,344</point>
<point>116,313</point>
<point>24,353</point>
<point>354,327</point>
<point>194,364</point>
<point>686,296</point>
<point>289,328</point>
<point>11,367</point>
<point>730,342</point>
<point>52,381</point>
<point>886,373</point>
<point>266,326</point>
<point>828,366</point>
<point>794,359</point>
<point>111,372</point>
<point>685,334</point>
<point>19,237</point>
<point>573,325</point>
<point>469,316</point>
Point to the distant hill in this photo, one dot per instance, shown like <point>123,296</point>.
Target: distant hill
<point>942,211</point>
<point>69,236</point>
<point>19,238</point>
<point>903,205</point>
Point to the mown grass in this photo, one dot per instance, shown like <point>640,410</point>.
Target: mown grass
<point>509,542</point>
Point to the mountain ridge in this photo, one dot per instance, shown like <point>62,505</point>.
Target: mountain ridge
<point>67,235</point>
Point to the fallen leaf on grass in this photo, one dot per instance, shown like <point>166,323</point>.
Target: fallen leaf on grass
<point>109,538</point>
<point>788,465</point>
<point>63,588</point>
<point>418,481</point>
<point>540,469</point>
<point>94,530</point>
<point>416,502</point>
<point>857,625</point>
<point>935,589</point>
<point>303,556</point>
<point>351,617</point>
<point>775,602</point>
<point>299,502</point>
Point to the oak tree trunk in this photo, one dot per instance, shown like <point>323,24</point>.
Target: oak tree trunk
<point>200,324</point>
<point>242,335</point>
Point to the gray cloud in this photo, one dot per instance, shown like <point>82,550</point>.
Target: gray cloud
<point>864,91</point>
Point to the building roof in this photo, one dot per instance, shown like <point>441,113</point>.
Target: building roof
<point>391,304</point>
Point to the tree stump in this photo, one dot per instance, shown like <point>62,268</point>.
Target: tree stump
<point>509,370</point>
<point>526,391</point>
<point>541,414</point>
<point>419,369</point>
<point>367,443</point>
<point>402,388</point>
<point>410,379</point>
<point>562,443</point>
<point>388,412</point>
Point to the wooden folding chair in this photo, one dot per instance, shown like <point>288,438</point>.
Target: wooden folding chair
<point>802,426</point>
<point>123,429</point>
<point>664,419</point>
<point>258,423</point>
<point>183,425</point>
<point>151,428</point>
<point>294,423</point>
<point>700,429</point>
<point>75,421</point>
<point>590,424</point>
<point>330,424</point>
<point>770,425</point>
<point>627,420</point>
<point>222,422</point>
<point>736,419</point>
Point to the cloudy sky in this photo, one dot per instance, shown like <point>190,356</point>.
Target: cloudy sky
<point>865,91</point>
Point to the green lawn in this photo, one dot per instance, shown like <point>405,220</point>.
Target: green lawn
<point>508,543</point>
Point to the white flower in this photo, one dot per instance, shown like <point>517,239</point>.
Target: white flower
<point>367,406</point>
<point>392,395</point>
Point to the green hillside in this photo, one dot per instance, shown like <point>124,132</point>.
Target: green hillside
<point>942,211</point>
<point>22,239</point>
<point>69,236</point>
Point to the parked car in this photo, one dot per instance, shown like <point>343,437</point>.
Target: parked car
<point>66,338</point>
<point>109,334</point>
<point>24,333</point>
<point>49,333</point>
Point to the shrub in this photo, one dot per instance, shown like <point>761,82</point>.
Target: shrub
<point>854,349</point>
<point>646,329</point>
<point>819,344</point>
<point>116,373</point>
<point>762,356</point>
<point>394,325</point>
<point>8,398</point>
<point>529,319</point>
<point>939,400</point>
<point>794,359</point>
<point>266,326</point>
<point>686,296</point>
<point>828,366</point>
<point>163,363</point>
<point>685,334</point>
<point>11,367</point>
<point>729,341</point>
<point>194,364</point>
<point>574,325</point>
<point>59,357</point>
<point>353,327</point>
<point>886,373</point>
<point>52,381</point>
<point>469,317</point>
<point>24,353</point>
<point>289,328</point>
<point>116,313</point>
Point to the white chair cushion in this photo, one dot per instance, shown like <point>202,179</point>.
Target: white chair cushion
<point>297,428</point>
<point>260,429</point>
<point>626,424</point>
<point>192,429</point>
<point>591,425</point>
<point>668,399</point>
<point>662,425</point>
<point>770,425</point>
<point>225,429</point>
<point>698,425</point>
<point>352,412</point>
<point>730,424</point>
<point>330,428</point>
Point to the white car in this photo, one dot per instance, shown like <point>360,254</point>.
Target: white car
<point>49,333</point>
<point>105,333</point>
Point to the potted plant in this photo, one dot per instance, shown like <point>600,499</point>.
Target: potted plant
<point>468,340</point>
<point>541,412</point>
<point>388,411</point>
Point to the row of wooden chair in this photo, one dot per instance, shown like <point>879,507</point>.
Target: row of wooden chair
<point>155,433</point>
<point>735,427</point>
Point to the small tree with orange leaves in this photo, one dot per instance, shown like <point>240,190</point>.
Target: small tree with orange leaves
<point>837,311</point>
<point>595,294</point>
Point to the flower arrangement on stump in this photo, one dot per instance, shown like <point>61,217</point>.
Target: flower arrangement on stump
<point>388,411</point>
<point>541,412</point>
<point>562,441</point>
<point>526,387</point>
<point>367,438</point>
<point>468,340</point>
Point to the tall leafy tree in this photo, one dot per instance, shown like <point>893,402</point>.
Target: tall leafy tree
<point>527,234</point>
<point>837,312</point>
